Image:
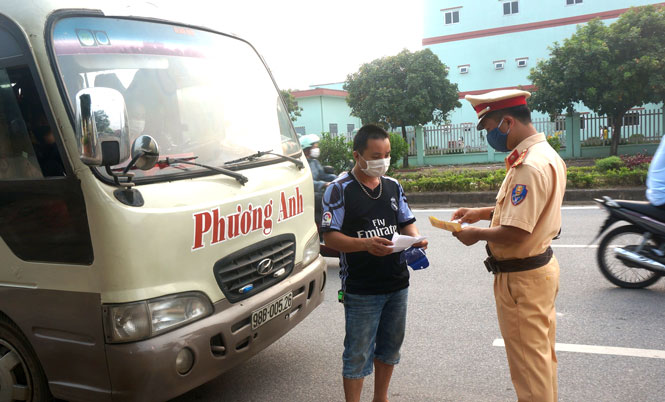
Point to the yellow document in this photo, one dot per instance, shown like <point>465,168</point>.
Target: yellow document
<point>446,225</point>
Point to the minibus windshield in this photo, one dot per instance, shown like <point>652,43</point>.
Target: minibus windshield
<point>197,93</point>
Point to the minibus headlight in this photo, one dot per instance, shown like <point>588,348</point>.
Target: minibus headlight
<point>312,248</point>
<point>136,321</point>
<point>127,322</point>
<point>169,313</point>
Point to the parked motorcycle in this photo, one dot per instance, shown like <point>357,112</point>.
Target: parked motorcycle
<point>632,256</point>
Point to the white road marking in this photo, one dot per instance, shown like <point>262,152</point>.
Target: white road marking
<point>455,209</point>
<point>574,246</point>
<point>601,350</point>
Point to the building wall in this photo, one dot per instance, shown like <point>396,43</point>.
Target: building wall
<point>475,42</point>
<point>320,111</point>
<point>310,115</point>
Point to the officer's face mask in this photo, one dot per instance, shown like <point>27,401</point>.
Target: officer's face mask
<point>497,139</point>
<point>377,167</point>
<point>314,153</point>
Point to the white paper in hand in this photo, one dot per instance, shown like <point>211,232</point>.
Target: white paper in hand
<point>402,242</point>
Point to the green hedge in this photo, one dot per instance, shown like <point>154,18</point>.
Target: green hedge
<point>464,180</point>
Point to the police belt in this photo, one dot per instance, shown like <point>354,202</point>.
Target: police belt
<point>517,265</point>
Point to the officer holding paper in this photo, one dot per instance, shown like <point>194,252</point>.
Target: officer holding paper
<point>526,217</point>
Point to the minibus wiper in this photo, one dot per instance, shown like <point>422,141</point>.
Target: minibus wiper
<point>259,154</point>
<point>241,178</point>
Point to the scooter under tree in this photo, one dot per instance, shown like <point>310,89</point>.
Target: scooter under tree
<point>632,256</point>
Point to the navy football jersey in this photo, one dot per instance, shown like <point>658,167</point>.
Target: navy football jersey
<point>347,209</point>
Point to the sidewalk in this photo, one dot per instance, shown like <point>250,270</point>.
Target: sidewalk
<point>487,198</point>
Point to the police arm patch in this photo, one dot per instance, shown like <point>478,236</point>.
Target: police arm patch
<point>519,194</point>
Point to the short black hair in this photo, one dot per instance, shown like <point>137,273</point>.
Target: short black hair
<point>366,133</point>
<point>521,113</point>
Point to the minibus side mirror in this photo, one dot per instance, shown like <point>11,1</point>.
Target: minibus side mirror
<point>145,153</point>
<point>102,131</point>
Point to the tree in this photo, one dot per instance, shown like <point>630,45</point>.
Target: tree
<point>336,152</point>
<point>610,69</point>
<point>407,89</point>
<point>291,104</point>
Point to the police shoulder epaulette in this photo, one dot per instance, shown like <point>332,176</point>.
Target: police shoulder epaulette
<point>521,158</point>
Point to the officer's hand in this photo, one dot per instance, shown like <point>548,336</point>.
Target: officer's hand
<point>467,215</point>
<point>378,246</point>
<point>421,244</point>
<point>468,236</point>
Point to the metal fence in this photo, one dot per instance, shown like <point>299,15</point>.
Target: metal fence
<point>454,138</point>
<point>465,138</point>
<point>640,126</point>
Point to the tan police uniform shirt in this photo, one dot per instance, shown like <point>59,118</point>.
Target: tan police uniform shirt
<point>530,198</point>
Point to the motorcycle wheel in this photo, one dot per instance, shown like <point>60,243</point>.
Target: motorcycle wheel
<point>620,272</point>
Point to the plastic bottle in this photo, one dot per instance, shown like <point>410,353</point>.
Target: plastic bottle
<point>415,258</point>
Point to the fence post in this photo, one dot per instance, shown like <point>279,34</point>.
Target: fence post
<point>420,145</point>
<point>573,135</point>
<point>662,127</point>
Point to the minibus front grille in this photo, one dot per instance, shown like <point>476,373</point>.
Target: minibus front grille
<point>238,275</point>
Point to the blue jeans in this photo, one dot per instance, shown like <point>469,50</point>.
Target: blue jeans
<point>375,327</point>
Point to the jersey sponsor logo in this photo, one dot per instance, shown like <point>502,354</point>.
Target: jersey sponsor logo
<point>519,194</point>
<point>380,229</point>
<point>393,203</point>
<point>212,226</point>
<point>327,219</point>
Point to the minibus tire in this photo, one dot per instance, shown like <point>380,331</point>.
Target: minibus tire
<point>13,341</point>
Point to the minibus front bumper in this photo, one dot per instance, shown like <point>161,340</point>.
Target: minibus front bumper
<point>147,370</point>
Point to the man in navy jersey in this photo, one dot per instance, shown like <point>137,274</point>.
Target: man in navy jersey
<point>362,209</point>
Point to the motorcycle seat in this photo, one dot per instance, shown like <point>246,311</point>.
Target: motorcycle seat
<point>644,207</point>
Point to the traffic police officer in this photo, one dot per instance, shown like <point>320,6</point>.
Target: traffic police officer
<point>526,217</point>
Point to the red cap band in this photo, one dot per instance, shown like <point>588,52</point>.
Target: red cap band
<point>501,104</point>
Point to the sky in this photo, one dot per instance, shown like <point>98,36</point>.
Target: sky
<point>317,42</point>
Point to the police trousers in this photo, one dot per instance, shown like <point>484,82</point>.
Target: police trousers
<point>527,319</point>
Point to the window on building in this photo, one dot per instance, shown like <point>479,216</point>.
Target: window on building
<point>572,2</point>
<point>300,130</point>
<point>451,17</point>
<point>333,128</point>
<point>521,62</point>
<point>350,128</point>
<point>510,7</point>
<point>631,119</point>
<point>463,69</point>
<point>499,64</point>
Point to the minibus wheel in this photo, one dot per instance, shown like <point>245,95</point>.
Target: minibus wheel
<point>21,375</point>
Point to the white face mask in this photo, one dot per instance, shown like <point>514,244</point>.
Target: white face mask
<point>314,153</point>
<point>376,168</point>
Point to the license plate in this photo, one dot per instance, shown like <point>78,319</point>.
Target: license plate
<point>271,310</point>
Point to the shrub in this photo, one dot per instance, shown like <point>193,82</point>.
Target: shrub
<point>555,142</point>
<point>592,142</point>
<point>637,160</point>
<point>398,148</point>
<point>636,139</point>
<point>336,152</point>
<point>490,180</point>
<point>609,163</point>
